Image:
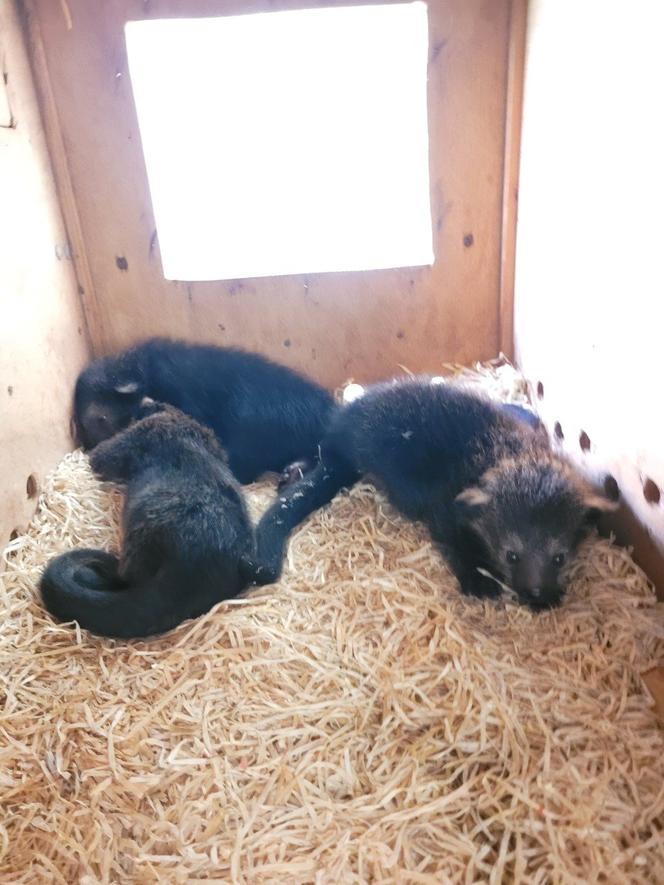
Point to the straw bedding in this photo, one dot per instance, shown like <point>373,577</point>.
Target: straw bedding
<point>358,722</point>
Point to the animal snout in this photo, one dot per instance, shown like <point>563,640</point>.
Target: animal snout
<point>540,597</point>
<point>529,592</point>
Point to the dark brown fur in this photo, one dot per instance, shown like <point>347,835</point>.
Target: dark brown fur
<point>492,494</point>
<point>187,535</point>
<point>264,414</point>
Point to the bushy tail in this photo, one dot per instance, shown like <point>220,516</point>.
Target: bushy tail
<point>85,586</point>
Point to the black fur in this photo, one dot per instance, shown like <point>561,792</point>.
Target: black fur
<point>426,444</point>
<point>188,541</point>
<point>265,415</point>
<point>522,414</point>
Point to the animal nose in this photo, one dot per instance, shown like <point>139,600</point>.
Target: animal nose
<point>536,592</point>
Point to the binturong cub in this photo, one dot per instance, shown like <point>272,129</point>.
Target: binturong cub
<point>264,414</point>
<point>187,536</point>
<point>502,507</point>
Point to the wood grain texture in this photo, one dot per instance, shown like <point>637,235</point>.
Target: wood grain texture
<point>513,116</point>
<point>58,157</point>
<point>42,335</point>
<point>333,326</point>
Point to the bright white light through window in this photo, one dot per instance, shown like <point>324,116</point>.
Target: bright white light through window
<point>286,142</point>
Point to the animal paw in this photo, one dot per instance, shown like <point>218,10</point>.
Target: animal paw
<point>266,574</point>
<point>267,561</point>
<point>258,574</point>
<point>293,473</point>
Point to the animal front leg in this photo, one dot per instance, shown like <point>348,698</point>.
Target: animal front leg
<point>472,580</point>
<point>466,557</point>
<point>292,507</point>
<point>293,473</point>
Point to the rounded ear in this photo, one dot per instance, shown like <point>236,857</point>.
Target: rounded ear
<point>127,388</point>
<point>470,502</point>
<point>596,505</point>
<point>473,497</point>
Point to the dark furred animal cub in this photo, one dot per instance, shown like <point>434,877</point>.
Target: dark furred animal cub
<point>486,484</point>
<point>265,415</point>
<point>187,536</point>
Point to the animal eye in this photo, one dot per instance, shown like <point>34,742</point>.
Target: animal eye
<point>558,559</point>
<point>512,557</point>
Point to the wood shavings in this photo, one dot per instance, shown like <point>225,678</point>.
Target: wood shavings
<point>497,378</point>
<point>359,722</point>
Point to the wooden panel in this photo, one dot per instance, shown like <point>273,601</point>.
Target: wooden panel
<point>513,114</point>
<point>42,335</point>
<point>590,278</point>
<point>331,325</point>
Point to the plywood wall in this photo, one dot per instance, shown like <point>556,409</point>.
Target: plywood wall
<point>589,270</point>
<point>332,326</point>
<point>42,330</point>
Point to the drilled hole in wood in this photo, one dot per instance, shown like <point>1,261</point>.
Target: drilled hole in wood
<point>611,487</point>
<point>584,441</point>
<point>558,431</point>
<point>540,390</point>
<point>651,491</point>
<point>32,486</point>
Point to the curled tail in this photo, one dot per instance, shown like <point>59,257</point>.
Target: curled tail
<point>85,586</point>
